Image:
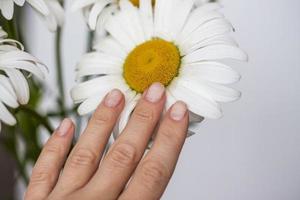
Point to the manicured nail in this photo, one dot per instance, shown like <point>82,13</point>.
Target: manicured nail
<point>155,92</point>
<point>64,127</point>
<point>113,98</point>
<point>178,111</point>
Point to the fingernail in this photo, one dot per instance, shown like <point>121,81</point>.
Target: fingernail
<point>178,111</point>
<point>64,127</point>
<point>155,92</point>
<point>113,98</point>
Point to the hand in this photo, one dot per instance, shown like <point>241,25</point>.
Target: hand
<point>123,173</point>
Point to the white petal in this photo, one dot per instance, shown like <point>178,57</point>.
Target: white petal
<point>162,12</point>
<point>213,40</point>
<point>19,2</point>
<point>17,56</point>
<point>180,13</point>
<point>100,65</point>
<point>206,31</point>
<point>20,85</point>
<point>95,11</point>
<point>98,57</point>
<point>215,52</point>
<point>196,19</point>
<point>90,104</point>
<point>125,115</point>
<point>146,14</point>
<point>170,100</point>
<point>7,8</point>
<point>79,4</point>
<point>131,19</point>
<point>15,45</point>
<point>6,116</point>
<point>98,70</point>
<point>7,98</point>
<point>102,19</point>
<point>40,6</point>
<point>5,82</point>
<point>5,48</point>
<point>27,66</point>
<point>198,104</point>
<point>110,46</point>
<point>210,90</point>
<point>210,71</point>
<point>115,26</point>
<point>57,11</point>
<point>3,34</point>
<point>95,86</point>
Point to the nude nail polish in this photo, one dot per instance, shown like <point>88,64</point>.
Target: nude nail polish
<point>178,111</point>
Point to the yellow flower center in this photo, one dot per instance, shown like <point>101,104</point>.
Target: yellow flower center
<point>153,61</point>
<point>137,2</point>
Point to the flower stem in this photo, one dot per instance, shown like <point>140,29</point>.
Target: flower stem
<point>9,27</point>
<point>59,72</point>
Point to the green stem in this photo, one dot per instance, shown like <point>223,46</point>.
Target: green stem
<point>9,27</point>
<point>59,73</point>
<point>43,120</point>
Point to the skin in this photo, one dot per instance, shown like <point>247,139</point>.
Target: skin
<point>126,172</point>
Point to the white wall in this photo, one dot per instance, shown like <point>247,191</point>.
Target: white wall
<point>254,151</point>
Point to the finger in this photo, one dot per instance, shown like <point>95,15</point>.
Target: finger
<point>155,170</point>
<point>50,162</point>
<point>85,157</point>
<point>126,152</point>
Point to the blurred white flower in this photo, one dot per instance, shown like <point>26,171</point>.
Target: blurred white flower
<point>95,9</point>
<point>175,44</point>
<point>50,10</point>
<point>14,88</point>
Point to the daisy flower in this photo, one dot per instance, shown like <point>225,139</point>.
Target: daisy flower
<point>14,88</point>
<point>50,10</point>
<point>174,44</point>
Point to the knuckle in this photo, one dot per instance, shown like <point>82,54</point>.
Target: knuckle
<point>83,157</point>
<point>40,176</point>
<point>123,155</point>
<point>172,136</point>
<point>101,117</point>
<point>53,149</point>
<point>154,174</point>
<point>144,114</point>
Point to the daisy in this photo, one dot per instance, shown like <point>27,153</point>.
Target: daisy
<point>174,44</point>
<point>14,88</point>
<point>50,10</point>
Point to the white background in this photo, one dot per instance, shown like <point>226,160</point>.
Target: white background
<point>254,151</point>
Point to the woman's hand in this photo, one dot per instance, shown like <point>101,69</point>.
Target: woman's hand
<point>123,173</point>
